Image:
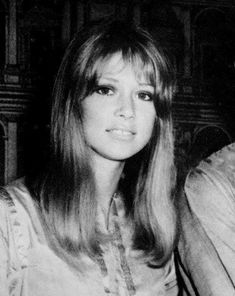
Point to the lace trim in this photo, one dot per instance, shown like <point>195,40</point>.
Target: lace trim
<point>114,228</point>
<point>124,265</point>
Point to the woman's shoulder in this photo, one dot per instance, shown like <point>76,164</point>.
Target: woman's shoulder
<point>15,220</point>
<point>224,162</point>
<point>10,195</point>
<point>19,209</point>
<point>210,187</point>
<point>16,196</point>
<point>217,169</point>
<point>207,223</point>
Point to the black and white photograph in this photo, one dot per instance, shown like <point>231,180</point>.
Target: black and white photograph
<point>117,147</point>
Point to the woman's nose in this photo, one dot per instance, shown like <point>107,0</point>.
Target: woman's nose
<point>125,107</point>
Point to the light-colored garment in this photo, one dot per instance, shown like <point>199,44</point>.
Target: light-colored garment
<point>28,267</point>
<point>207,242</point>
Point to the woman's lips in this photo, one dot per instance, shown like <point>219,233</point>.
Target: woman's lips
<point>121,133</point>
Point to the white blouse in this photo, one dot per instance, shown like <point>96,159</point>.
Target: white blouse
<point>28,267</point>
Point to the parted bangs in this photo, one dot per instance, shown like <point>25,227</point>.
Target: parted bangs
<point>136,47</point>
<point>142,66</point>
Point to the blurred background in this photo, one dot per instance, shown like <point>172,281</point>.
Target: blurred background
<point>199,36</point>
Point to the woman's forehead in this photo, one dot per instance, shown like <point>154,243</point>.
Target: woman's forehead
<point>116,62</point>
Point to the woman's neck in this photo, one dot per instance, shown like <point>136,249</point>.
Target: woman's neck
<point>107,175</point>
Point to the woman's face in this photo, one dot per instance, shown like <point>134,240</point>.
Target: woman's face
<point>119,114</point>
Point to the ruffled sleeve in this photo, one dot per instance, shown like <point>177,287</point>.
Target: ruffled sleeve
<point>13,258</point>
<point>4,243</point>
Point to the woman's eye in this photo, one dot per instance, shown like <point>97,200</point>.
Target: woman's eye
<point>104,91</point>
<point>145,96</point>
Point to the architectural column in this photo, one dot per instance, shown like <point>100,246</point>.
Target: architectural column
<point>80,14</point>
<point>11,73</point>
<point>11,159</point>
<point>136,13</point>
<point>187,45</point>
<point>66,24</point>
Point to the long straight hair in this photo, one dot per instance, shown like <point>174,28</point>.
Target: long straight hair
<point>66,192</point>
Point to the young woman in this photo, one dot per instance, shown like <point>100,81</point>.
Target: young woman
<point>100,219</point>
